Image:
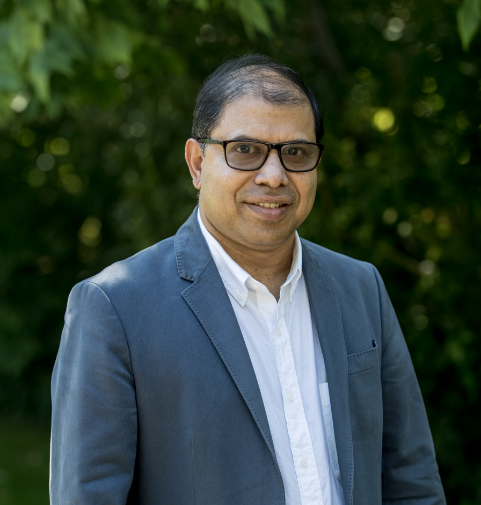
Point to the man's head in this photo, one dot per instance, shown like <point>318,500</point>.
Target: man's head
<point>254,98</point>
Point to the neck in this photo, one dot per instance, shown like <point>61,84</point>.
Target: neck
<point>269,267</point>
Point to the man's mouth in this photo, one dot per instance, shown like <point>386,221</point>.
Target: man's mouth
<point>270,205</point>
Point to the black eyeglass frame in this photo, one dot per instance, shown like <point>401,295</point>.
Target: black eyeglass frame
<point>277,146</point>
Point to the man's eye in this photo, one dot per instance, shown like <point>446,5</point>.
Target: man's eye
<point>244,149</point>
<point>294,151</point>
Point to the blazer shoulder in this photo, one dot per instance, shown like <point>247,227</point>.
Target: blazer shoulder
<point>153,264</point>
<point>336,264</point>
<point>356,281</point>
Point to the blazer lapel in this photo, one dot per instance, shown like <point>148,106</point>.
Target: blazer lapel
<point>326,312</point>
<point>208,299</point>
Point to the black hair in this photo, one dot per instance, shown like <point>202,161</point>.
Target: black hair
<point>254,74</point>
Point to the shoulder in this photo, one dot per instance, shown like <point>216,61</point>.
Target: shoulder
<point>353,278</point>
<point>336,264</point>
<point>360,293</point>
<point>153,265</point>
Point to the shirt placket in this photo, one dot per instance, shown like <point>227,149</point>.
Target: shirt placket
<point>297,427</point>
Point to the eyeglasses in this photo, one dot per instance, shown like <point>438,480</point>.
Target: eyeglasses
<point>250,155</point>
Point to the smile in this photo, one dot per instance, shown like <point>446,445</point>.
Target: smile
<point>270,205</point>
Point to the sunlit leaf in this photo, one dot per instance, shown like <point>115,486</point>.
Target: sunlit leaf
<point>277,7</point>
<point>74,11</point>
<point>469,19</point>
<point>39,76</point>
<point>42,37</point>
<point>114,40</point>
<point>26,34</point>
<point>202,5</point>
<point>254,17</point>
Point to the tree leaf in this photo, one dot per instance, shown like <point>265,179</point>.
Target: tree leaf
<point>469,18</point>
<point>10,79</point>
<point>26,34</point>
<point>202,5</point>
<point>161,3</point>
<point>39,75</point>
<point>39,9</point>
<point>62,48</point>
<point>74,11</point>
<point>114,40</point>
<point>277,7</point>
<point>254,17</point>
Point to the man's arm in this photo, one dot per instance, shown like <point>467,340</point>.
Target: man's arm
<point>94,417</point>
<point>409,470</point>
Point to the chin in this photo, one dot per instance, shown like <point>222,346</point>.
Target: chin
<point>266,239</point>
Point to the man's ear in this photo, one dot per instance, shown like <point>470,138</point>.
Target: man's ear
<point>194,158</point>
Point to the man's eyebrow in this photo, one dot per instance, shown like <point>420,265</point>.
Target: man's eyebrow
<point>301,140</point>
<point>246,137</point>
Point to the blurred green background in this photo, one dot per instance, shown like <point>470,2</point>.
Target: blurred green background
<point>96,101</point>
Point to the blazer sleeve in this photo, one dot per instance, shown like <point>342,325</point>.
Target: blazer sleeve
<point>409,469</point>
<point>94,415</point>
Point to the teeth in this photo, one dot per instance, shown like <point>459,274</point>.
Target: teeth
<point>269,205</point>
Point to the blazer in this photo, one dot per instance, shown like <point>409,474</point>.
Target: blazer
<point>155,400</point>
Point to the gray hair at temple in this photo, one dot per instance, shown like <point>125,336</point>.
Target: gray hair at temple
<point>256,75</point>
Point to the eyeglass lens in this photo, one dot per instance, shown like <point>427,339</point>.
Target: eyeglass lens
<point>251,155</point>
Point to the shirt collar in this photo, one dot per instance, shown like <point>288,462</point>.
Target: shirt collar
<point>236,280</point>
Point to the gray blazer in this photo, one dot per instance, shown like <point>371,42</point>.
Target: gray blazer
<point>155,400</point>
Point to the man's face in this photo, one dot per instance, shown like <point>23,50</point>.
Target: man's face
<point>229,198</point>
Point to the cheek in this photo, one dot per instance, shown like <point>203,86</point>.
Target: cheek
<point>307,190</point>
<point>212,174</point>
<point>218,186</point>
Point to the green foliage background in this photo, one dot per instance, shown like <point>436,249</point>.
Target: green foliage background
<point>96,103</point>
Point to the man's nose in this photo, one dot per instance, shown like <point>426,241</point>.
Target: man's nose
<point>272,173</point>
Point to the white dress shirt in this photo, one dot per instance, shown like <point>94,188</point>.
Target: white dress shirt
<point>286,355</point>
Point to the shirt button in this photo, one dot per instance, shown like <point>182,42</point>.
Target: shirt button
<point>304,462</point>
<point>291,397</point>
<point>255,286</point>
<point>279,332</point>
<point>240,296</point>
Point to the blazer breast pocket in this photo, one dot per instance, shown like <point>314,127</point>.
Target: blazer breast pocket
<point>364,360</point>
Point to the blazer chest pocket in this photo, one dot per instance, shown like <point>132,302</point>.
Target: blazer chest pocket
<point>364,360</point>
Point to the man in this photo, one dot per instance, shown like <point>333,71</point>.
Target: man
<point>236,363</point>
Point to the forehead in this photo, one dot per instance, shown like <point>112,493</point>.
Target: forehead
<point>252,116</point>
